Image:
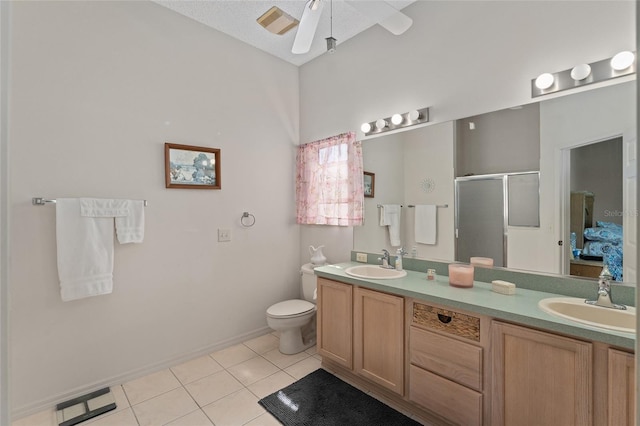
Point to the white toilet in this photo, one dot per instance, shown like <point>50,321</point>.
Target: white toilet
<point>296,319</point>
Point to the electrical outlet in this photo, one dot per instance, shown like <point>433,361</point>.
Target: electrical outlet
<point>224,234</point>
<point>361,257</point>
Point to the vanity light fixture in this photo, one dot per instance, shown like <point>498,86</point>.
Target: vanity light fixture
<point>395,122</point>
<point>415,115</point>
<point>544,81</point>
<point>622,60</point>
<point>580,72</point>
<point>622,64</point>
<point>397,119</point>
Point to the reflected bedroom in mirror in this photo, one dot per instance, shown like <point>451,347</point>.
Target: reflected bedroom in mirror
<point>541,187</point>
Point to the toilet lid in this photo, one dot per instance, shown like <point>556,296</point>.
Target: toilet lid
<point>290,308</point>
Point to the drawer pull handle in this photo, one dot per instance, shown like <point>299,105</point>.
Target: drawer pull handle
<point>445,319</point>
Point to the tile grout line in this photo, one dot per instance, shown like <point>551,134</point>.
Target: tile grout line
<point>267,348</point>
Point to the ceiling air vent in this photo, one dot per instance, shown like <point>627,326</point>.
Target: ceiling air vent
<point>277,21</point>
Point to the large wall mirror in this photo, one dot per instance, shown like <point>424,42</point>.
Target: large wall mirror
<point>578,149</point>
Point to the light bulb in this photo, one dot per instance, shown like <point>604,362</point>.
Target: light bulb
<point>366,127</point>
<point>396,119</point>
<point>381,124</point>
<point>414,115</point>
<point>544,81</point>
<point>580,72</point>
<point>622,60</point>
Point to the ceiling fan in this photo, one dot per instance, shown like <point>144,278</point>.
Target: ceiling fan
<point>381,12</point>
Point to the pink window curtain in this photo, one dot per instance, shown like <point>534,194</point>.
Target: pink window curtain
<point>329,182</point>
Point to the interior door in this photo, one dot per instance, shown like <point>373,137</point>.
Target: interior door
<point>481,218</point>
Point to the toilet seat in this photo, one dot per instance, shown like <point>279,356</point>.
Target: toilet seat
<point>290,308</point>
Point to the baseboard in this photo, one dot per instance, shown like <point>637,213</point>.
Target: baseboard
<point>50,402</point>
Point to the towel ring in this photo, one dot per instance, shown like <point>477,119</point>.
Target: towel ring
<point>251,217</point>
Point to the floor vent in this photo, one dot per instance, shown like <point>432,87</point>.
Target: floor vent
<point>85,407</point>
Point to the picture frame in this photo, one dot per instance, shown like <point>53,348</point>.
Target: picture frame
<point>191,167</point>
<point>369,184</point>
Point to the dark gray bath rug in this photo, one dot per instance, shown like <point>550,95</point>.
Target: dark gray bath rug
<point>322,399</point>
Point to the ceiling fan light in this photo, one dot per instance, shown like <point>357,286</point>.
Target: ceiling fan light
<point>331,44</point>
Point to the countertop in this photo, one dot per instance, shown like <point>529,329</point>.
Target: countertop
<point>521,307</point>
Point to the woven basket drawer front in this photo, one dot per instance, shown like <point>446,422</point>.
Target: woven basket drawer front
<point>450,358</point>
<point>451,322</point>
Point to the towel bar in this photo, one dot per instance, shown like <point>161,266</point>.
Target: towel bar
<point>38,201</point>
<point>444,206</point>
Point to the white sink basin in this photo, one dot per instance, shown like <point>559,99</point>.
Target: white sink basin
<point>574,309</point>
<point>374,272</point>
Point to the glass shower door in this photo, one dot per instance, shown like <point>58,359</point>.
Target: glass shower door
<point>481,218</point>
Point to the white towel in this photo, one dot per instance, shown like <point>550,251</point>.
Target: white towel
<point>85,251</point>
<point>103,207</point>
<point>390,216</point>
<point>130,228</point>
<point>425,224</point>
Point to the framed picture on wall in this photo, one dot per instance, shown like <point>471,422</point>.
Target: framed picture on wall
<point>191,167</point>
<point>369,184</point>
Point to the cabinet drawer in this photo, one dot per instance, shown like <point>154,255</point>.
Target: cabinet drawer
<point>455,360</point>
<point>448,321</point>
<point>444,397</point>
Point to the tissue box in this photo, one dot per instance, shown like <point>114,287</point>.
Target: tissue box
<point>461,275</point>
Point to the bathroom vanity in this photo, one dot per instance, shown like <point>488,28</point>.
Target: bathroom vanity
<point>471,356</point>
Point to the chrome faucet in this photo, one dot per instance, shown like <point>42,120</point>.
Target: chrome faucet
<point>386,258</point>
<point>604,291</point>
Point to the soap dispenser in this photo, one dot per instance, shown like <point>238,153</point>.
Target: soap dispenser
<point>399,254</point>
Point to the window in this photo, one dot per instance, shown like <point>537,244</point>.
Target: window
<point>329,182</point>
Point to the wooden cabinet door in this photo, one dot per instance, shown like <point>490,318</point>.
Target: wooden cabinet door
<point>539,378</point>
<point>379,338</point>
<point>621,389</point>
<point>335,321</point>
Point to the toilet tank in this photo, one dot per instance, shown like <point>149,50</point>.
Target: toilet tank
<point>308,283</point>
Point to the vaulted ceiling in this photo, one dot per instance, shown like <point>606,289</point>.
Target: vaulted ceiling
<point>237,18</point>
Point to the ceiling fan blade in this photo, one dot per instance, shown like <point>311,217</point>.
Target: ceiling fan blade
<point>384,14</point>
<point>307,27</point>
<point>397,23</point>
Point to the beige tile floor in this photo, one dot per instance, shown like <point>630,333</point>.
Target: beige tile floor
<point>221,389</point>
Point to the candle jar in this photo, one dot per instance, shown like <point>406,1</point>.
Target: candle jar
<point>461,275</point>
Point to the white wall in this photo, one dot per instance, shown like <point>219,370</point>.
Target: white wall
<point>460,59</point>
<point>97,88</point>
